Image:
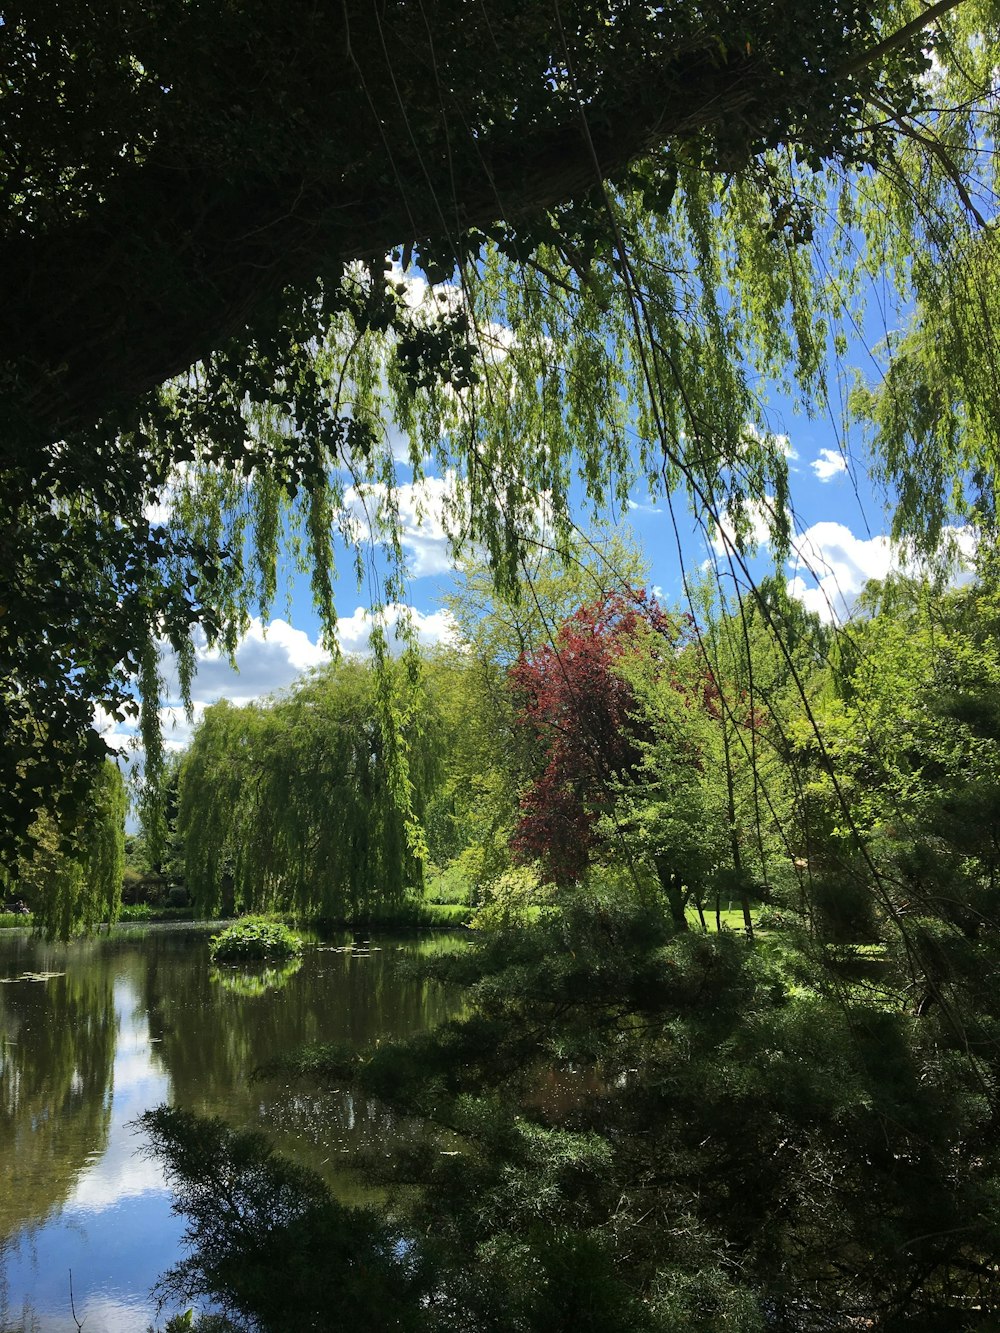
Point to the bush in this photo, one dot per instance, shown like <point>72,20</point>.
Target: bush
<point>255,937</point>
<point>141,912</point>
<point>509,896</point>
<point>771,919</point>
<point>177,896</point>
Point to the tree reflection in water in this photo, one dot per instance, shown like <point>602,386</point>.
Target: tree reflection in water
<point>251,982</point>
<point>57,1046</point>
<point>139,1015</point>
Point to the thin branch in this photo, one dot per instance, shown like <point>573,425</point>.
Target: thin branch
<point>938,150</point>
<point>79,1322</point>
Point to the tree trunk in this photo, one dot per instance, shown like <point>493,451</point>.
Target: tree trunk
<point>673,890</point>
<point>734,841</point>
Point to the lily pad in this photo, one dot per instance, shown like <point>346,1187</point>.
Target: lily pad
<point>30,976</point>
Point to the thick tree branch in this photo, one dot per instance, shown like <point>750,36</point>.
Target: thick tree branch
<point>897,40</point>
<point>173,264</point>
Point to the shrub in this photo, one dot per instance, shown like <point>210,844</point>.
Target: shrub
<point>509,897</point>
<point>142,886</point>
<point>770,919</point>
<point>255,937</point>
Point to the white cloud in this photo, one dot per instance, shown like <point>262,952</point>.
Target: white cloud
<point>776,443</point>
<point>760,518</point>
<point>160,511</point>
<point>831,565</point>
<point>177,727</point>
<point>837,566</point>
<point>785,445</point>
<point>269,658</point>
<point>419,294</point>
<point>429,512</point>
<point>427,303</point>
<point>829,463</point>
<point>431,628</point>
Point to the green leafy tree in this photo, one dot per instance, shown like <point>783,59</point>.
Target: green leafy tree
<point>902,803</point>
<point>293,802</point>
<point>71,874</point>
<point>658,750</point>
<point>488,757</point>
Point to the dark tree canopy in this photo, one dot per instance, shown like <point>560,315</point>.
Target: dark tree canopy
<point>170,171</point>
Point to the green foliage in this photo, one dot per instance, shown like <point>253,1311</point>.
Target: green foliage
<point>14,920</point>
<point>487,757</point>
<point>294,805</point>
<point>154,912</point>
<point>71,876</point>
<point>254,937</point>
<point>643,1129</point>
<point>769,1135</point>
<point>512,895</point>
<point>450,885</point>
<point>635,1127</point>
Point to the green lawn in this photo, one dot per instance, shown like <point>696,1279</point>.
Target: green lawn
<point>732,918</point>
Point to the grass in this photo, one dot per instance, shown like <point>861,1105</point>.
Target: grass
<point>146,912</point>
<point>406,915</point>
<point>10,919</point>
<point>732,919</point>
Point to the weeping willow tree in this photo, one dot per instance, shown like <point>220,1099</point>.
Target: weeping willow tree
<point>72,873</point>
<point>548,249</point>
<point>293,804</point>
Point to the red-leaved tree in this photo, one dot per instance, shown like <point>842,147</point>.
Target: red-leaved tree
<point>583,713</point>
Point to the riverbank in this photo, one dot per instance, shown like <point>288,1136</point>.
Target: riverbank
<point>402,916</point>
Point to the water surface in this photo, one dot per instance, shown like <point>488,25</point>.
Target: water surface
<point>95,1032</point>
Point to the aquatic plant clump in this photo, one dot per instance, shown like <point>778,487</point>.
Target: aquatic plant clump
<point>255,937</point>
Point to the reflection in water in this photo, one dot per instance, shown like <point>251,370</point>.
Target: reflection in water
<point>58,1043</point>
<point>140,1018</point>
<point>249,982</point>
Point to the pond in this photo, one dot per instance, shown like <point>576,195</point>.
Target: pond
<point>95,1032</point>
